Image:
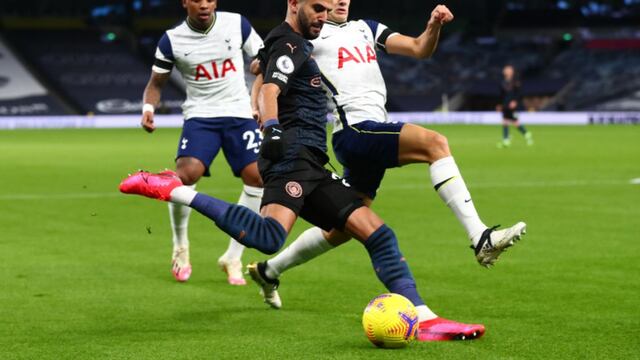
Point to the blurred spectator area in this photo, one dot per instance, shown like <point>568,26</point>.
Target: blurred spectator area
<point>94,56</point>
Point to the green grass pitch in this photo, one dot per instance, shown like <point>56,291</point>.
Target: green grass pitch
<point>85,271</point>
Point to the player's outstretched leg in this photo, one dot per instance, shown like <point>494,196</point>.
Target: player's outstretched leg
<point>393,271</point>
<point>231,261</point>
<point>420,145</point>
<point>264,234</point>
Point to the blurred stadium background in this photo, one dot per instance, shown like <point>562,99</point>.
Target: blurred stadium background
<point>78,57</point>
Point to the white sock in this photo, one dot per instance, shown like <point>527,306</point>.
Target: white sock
<point>179,216</point>
<point>250,197</point>
<point>183,195</point>
<point>453,191</point>
<point>424,313</point>
<point>307,246</point>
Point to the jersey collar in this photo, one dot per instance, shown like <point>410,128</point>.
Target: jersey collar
<point>195,29</point>
<point>336,24</point>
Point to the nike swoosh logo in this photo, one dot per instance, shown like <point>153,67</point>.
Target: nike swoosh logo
<point>468,201</point>
<point>188,53</point>
<point>325,37</point>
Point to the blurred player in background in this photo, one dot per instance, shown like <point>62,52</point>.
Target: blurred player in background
<point>207,49</point>
<point>367,143</point>
<point>511,101</point>
<point>292,107</point>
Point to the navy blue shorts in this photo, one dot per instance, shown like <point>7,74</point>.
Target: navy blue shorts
<point>239,139</point>
<point>367,150</point>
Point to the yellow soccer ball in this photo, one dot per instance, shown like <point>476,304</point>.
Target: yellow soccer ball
<point>390,321</point>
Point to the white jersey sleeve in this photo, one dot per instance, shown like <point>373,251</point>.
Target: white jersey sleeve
<point>380,34</point>
<point>164,56</point>
<point>251,41</point>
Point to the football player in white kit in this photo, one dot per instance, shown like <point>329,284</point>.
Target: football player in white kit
<point>367,144</point>
<point>207,49</point>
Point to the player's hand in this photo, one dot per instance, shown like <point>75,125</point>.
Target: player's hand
<point>272,147</point>
<point>441,15</point>
<point>513,105</point>
<point>254,67</point>
<point>147,122</point>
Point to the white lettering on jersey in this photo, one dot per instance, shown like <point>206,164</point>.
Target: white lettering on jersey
<point>349,64</point>
<point>212,65</point>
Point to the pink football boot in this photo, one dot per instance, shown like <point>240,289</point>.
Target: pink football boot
<point>181,268</point>
<point>233,268</point>
<point>155,186</point>
<point>441,329</point>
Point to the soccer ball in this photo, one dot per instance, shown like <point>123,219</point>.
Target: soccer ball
<point>390,321</point>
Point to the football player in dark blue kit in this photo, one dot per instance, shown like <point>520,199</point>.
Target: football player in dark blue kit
<point>292,111</point>
<point>511,101</point>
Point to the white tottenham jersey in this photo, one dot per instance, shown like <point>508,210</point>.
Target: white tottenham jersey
<point>212,65</point>
<point>346,55</point>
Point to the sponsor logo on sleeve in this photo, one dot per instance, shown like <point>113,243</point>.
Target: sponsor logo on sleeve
<point>280,76</point>
<point>285,64</point>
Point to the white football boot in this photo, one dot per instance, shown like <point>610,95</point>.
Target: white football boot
<point>268,287</point>
<point>493,242</point>
<point>181,267</point>
<point>233,268</point>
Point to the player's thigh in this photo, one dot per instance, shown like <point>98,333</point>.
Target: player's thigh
<point>241,144</point>
<point>330,204</point>
<point>420,145</point>
<point>285,193</point>
<point>365,180</point>
<point>200,139</point>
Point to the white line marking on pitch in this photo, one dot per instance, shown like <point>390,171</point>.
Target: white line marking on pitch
<point>416,185</point>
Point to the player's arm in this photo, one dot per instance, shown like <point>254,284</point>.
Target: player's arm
<point>279,67</point>
<point>160,73</point>
<point>151,98</point>
<point>424,45</point>
<point>255,91</point>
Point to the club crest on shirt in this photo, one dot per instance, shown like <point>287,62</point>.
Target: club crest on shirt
<point>293,189</point>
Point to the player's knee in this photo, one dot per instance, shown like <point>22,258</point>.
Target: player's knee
<point>273,237</point>
<point>440,143</point>
<point>189,173</point>
<point>251,176</point>
<point>437,147</point>
<point>189,177</point>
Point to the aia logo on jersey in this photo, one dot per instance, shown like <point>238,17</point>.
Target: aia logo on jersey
<point>356,55</point>
<point>216,71</point>
<point>293,189</point>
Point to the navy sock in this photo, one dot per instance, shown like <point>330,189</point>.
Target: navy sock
<point>209,206</point>
<point>522,129</point>
<point>390,266</point>
<point>505,132</point>
<point>241,223</point>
